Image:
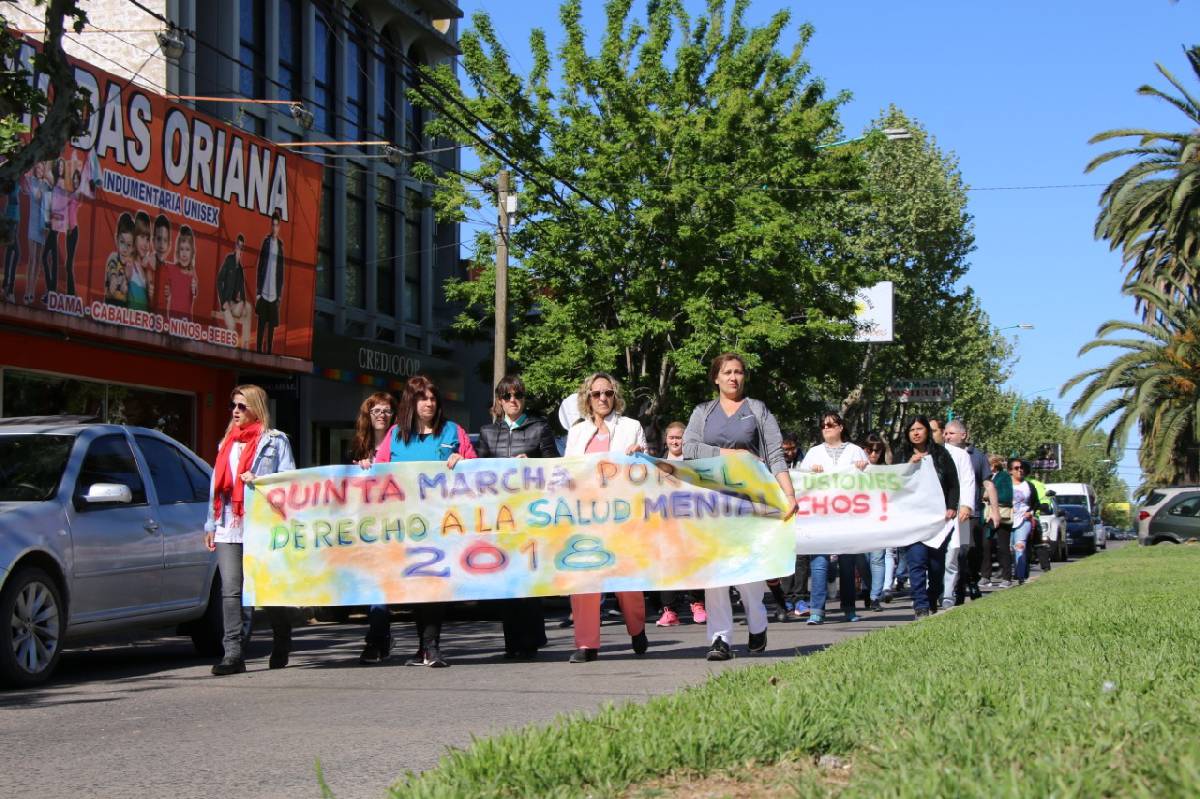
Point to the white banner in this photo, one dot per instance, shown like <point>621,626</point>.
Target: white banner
<point>844,513</point>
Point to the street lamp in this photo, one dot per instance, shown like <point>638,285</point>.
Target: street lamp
<point>892,134</point>
<point>1021,326</point>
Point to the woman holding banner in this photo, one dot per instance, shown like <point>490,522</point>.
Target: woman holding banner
<point>421,433</point>
<point>250,449</point>
<point>835,454</point>
<point>926,564</point>
<point>736,423</point>
<point>516,434</point>
<point>604,429</point>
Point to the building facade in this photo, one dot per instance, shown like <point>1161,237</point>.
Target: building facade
<point>379,312</point>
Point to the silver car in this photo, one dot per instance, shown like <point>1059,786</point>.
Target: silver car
<point>101,531</point>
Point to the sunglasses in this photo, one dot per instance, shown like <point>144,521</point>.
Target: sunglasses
<point>1016,468</point>
<point>609,394</point>
<point>381,411</point>
<point>826,425</point>
<point>513,395</point>
<point>241,406</point>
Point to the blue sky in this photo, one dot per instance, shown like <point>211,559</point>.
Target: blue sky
<point>1015,90</point>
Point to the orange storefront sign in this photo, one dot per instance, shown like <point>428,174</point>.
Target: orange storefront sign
<point>167,222</point>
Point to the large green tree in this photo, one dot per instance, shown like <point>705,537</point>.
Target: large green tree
<point>1152,384</point>
<point>912,227</point>
<point>1151,212</point>
<point>673,202</point>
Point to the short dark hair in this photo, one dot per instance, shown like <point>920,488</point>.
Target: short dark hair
<point>241,239</point>
<point>125,223</point>
<point>162,221</point>
<point>276,216</point>
<point>791,438</point>
<point>718,363</point>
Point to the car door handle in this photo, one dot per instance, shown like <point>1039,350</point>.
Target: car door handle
<point>151,526</point>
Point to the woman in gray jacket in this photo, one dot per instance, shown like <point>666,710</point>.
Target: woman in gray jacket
<point>250,449</point>
<point>735,423</point>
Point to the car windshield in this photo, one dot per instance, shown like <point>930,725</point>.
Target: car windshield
<point>1075,512</point>
<point>1071,499</point>
<point>31,466</point>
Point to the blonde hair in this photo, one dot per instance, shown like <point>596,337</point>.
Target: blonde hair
<point>256,404</point>
<point>675,426</point>
<point>585,399</point>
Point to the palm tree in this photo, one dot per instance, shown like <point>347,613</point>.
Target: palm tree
<point>1157,384</point>
<point>1152,210</point>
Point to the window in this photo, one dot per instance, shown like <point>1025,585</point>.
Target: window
<point>171,483</point>
<point>324,75</point>
<point>413,240</point>
<point>31,466</point>
<point>356,78</point>
<point>385,91</point>
<point>289,51</point>
<point>325,238</point>
<point>110,460</point>
<point>196,476</point>
<point>356,231</point>
<point>414,115</point>
<point>385,246</point>
<point>251,48</point>
<point>1188,507</point>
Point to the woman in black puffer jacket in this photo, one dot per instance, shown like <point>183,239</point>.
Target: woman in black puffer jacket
<point>926,564</point>
<point>515,434</point>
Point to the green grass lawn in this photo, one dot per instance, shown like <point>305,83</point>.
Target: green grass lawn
<point>1083,683</point>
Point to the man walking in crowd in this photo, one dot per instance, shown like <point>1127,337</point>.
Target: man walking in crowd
<point>971,553</point>
<point>270,285</point>
<point>960,535</point>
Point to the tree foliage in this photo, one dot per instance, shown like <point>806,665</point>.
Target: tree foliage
<point>1151,212</point>
<point>1153,383</point>
<point>700,215</point>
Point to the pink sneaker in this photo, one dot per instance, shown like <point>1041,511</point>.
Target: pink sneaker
<point>698,614</point>
<point>668,618</point>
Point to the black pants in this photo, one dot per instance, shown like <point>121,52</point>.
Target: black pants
<point>12,255</point>
<point>796,585</point>
<point>998,544</point>
<point>50,260</point>
<point>268,319</point>
<point>524,624</point>
<point>428,616</point>
<point>72,240</point>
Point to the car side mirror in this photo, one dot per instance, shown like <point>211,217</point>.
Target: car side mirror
<point>108,494</point>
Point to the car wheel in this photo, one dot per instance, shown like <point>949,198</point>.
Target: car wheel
<point>32,622</point>
<point>208,631</point>
<point>1091,548</point>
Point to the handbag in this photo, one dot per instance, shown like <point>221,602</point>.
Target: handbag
<point>1006,514</point>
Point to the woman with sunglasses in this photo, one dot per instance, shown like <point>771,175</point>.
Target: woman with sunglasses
<point>881,561</point>
<point>603,428</point>
<point>249,450</point>
<point>421,433</point>
<point>375,418</point>
<point>834,454</point>
<point>1025,501</point>
<point>733,423</point>
<point>517,434</point>
<point>926,564</point>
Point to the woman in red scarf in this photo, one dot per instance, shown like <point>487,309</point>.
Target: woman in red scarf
<point>250,449</point>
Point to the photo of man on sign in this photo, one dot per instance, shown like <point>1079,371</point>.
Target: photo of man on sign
<point>231,293</point>
<point>270,285</point>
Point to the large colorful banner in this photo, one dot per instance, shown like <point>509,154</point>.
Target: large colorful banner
<point>161,219</point>
<point>488,529</point>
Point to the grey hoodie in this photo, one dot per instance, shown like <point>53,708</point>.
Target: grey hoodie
<point>770,440</point>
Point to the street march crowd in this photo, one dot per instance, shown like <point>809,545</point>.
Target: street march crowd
<point>990,510</point>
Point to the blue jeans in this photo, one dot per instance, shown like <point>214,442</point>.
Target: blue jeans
<point>878,568</point>
<point>819,566</point>
<point>901,563</point>
<point>889,568</point>
<point>926,571</point>
<point>1020,548</point>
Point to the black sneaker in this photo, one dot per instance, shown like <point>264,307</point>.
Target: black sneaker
<point>921,613</point>
<point>887,597</point>
<point>229,666</point>
<point>719,650</point>
<point>875,606</point>
<point>434,659</point>
<point>417,659</point>
<point>640,643</point>
<point>758,642</point>
<point>583,656</point>
<point>374,653</point>
<point>782,616</point>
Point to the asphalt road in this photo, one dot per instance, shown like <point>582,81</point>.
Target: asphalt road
<point>147,719</point>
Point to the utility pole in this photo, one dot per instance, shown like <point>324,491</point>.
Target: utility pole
<point>500,357</point>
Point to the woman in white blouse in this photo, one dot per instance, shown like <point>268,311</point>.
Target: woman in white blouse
<point>604,429</point>
<point>834,454</point>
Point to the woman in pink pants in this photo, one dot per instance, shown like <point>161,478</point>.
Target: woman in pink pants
<point>604,429</point>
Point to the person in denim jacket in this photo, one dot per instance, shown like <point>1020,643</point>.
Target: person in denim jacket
<point>250,449</point>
